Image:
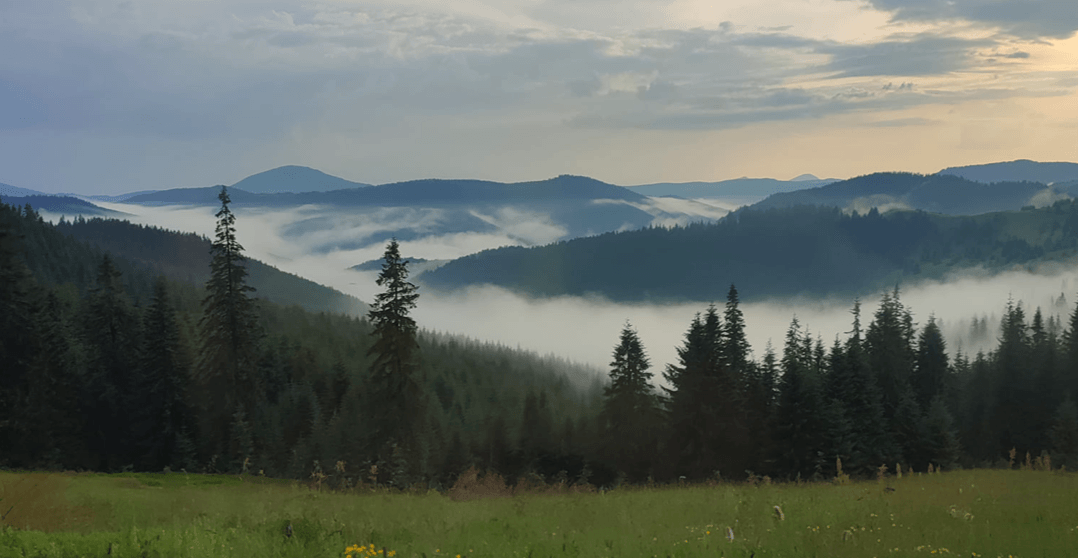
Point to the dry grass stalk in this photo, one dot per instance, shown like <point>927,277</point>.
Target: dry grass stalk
<point>840,476</point>
<point>898,470</point>
<point>881,472</point>
<point>1011,454</point>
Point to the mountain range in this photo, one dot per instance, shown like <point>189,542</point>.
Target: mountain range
<point>738,188</point>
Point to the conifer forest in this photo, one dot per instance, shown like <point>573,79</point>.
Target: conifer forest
<point>109,365</point>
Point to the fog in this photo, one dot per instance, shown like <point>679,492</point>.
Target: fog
<point>587,329</point>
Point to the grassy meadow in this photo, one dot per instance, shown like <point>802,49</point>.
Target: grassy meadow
<point>991,513</point>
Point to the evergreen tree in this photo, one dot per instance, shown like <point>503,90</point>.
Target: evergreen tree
<point>889,344</point>
<point>230,335</point>
<point>163,385</point>
<point>800,432</point>
<point>853,384</point>
<point>1070,356</point>
<point>941,446</point>
<point>397,399</point>
<point>1014,391</point>
<point>111,330</point>
<point>630,411</point>
<point>931,367</point>
<point>1065,435</point>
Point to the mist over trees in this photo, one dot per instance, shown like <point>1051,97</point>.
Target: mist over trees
<point>107,367</point>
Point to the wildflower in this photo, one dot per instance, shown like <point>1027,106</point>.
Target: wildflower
<point>729,534</point>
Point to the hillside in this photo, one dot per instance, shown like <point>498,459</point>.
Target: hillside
<point>947,194</point>
<point>186,257</point>
<point>416,192</point>
<point>736,188</point>
<point>312,371</point>
<point>806,250</point>
<point>1022,170</point>
<point>62,205</point>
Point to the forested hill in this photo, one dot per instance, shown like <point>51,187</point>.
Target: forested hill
<point>61,204</point>
<point>186,257</point>
<point>939,193</point>
<point>807,250</point>
<point>416,192</point>
<point>98,376</point>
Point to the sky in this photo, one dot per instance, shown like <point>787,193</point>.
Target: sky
<point>106,97</point>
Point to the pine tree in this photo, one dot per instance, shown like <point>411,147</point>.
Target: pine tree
<point>230,334</point>
<point>629,413</point>
<point>397,402</point>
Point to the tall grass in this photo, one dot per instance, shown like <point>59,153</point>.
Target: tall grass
<point>988,513</point>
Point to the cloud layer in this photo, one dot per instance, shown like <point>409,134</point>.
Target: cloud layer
<point>109,96</point>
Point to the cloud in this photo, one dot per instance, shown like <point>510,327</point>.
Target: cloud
<point>1027,19</point>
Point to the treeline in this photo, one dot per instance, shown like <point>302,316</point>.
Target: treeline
<point>886,395</point>
<point>805,250</point>
<point>206,378</point>
<point>100,375</point>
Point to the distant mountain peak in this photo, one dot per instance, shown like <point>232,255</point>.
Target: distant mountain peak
<point>804,177</point>
<point>294,179</point>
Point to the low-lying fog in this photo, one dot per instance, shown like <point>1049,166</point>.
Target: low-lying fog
<point>586,330</point>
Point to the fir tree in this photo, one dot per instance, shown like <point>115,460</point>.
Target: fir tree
<point>111,331</point>
<point>230,334</point>
<point>1065,435</point>
<point>629,413</point>
<point>941,445</point>
<point>800,439</point>
<point>163,384</point>
<point>931,369</point>
<point>397,400</point>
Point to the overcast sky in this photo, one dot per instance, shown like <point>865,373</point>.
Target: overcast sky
<point>106,96</point>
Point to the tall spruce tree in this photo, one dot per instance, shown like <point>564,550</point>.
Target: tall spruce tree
<point>397,405</point>
<point>800,432</point>
<point>111,331</point>
<point>230,335</point>
<point>889,343</point>
<point>163,385</point>
<point>930,376</point>
<point>630,413</point>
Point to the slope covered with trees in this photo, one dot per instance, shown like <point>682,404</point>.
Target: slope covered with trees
<point>807,250</point>
<point>207,378</point>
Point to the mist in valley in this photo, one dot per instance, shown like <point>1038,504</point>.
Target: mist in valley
<point>586,329</point>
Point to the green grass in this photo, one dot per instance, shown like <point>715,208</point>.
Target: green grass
<point>987,513</point>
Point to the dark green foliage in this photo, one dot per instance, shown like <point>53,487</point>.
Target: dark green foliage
<point>931,370</point>
<point>111,332</point>
<point>779,252</point>
<point>164,413</point>
<point>852,383</point>
<point>397,400</point>
<point>630,416</point>
<point>1064,435</point>
<point>226,369</point>
<point>941,445</point>
<point>800,427</point>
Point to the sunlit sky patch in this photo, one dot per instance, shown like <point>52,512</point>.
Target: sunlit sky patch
<point>107,97</point>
